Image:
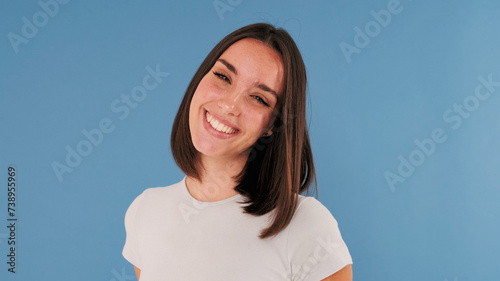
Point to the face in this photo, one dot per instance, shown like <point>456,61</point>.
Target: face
<point>233,104</point>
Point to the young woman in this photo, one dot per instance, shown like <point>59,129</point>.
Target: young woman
<point>240,136</point>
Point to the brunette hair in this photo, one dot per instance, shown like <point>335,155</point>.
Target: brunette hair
<point>280,166</point>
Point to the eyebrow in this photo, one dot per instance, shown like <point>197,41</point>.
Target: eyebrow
<point>229,66</point>
<point>267,89</point>
<point>260,86</point>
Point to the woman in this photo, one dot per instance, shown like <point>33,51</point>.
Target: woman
<point>240,137</point>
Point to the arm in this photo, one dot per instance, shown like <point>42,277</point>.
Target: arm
<point>138,272</point>
<point>345,274</point>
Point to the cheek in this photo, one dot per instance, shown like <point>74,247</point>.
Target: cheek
<point>259,120</point>
<point>200,96</point>
<point>206,90</point>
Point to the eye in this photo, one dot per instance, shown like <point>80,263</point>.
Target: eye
<point>260,100</point>
<point>222,77</point>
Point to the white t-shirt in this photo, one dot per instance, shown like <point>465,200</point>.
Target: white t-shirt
<point>172,236</point>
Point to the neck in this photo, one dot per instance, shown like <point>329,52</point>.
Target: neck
<point>217,178</point>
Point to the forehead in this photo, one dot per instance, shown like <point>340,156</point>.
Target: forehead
<point>254,59</point>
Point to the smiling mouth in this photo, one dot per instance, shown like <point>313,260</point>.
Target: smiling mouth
<point>218,126</point>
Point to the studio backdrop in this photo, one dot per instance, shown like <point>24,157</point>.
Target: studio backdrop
<point>403,113</point>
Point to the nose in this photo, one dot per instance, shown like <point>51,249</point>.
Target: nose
<point>229,103</point>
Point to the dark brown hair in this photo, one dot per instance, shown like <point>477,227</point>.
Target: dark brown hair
<point>279,167</point>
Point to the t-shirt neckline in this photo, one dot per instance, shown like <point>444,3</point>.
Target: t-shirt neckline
<point>206,204</point>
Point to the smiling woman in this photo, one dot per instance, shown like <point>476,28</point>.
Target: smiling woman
<point>230,109</point>
<point>240,136</point>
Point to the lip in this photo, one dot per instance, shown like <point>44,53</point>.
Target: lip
<point>213,131</point>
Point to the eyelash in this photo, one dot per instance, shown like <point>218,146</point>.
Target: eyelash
<point>259,99</point>
<point>222,77</point>
<point>225,79</point>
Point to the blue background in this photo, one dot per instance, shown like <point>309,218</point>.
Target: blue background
<point>365,110</point>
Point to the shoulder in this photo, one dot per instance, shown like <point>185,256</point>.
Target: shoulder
<point>312,223</point>
<point>313,213</point>
<point>156,195</point>
<point>162,191</point>
<point>315,246</point>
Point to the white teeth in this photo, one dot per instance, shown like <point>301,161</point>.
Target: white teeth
<point>219,126</point>
<point>214,124</point>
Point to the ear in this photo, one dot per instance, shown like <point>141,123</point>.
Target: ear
<point>268,133</point>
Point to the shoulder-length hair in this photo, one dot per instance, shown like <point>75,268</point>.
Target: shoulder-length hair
<point>279,167</point>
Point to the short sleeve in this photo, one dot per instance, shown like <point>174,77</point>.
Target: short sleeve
<point>315,247</point>
<point>131,248</point>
